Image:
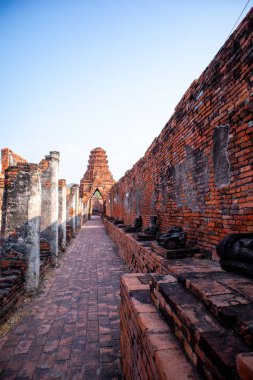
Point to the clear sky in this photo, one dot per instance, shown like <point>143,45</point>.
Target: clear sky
<point>79,74</point>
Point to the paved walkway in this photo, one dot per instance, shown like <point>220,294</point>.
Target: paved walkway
<point>71,330</point>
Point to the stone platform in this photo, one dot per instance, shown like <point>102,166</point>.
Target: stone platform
<point>189,327</point>
<point>208,311</point>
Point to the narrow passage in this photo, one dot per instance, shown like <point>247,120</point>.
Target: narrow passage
<point>71,329</point>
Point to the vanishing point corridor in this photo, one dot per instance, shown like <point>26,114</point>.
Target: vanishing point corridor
<point>71,329</point>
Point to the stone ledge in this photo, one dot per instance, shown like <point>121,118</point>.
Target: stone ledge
<point>148,347</point>
<point>211,347</point>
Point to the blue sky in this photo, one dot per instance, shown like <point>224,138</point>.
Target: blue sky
<point>79,74</point>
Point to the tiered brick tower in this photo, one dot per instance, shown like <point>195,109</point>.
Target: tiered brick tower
<point>97,177</point>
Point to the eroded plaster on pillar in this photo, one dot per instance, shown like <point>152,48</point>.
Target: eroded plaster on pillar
<point>80,214</point>
<point>75,189</point>
<point>62,214</point>
<point>21,219</point>
<point>1,197</point>
<point>71,211</point>
<point>49,210</point>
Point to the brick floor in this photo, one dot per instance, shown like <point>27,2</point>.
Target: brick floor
<point>71,330</point>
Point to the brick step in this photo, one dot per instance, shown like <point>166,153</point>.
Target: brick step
<point>149,348</point>
<point>191,265</point>
<point>211,347</point>
<point>229,297</point>
<point>174,253</point>
<point>143,237</point>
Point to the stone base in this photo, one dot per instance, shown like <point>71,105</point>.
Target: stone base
<point>181,253</point>
<point>131,230</point>
<point>245,269</point>
<point>120,225</point>
<point>144,237</point>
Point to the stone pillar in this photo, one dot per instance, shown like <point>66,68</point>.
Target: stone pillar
<point>80,220</point>
<point>62,214</point>
<point>85,212</point>
<point>49,206</point>
<point>71,204</point>
<point>1,197</point>
<point>75,190</point>
<point>21,220</point>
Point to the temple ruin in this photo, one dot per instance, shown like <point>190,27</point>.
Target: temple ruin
<point>96,182</point>
<point>182,220</point>
<point>40,214</point>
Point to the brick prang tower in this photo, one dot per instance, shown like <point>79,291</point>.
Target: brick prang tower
<point>97,176</point>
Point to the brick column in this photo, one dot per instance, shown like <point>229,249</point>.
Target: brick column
<point>62,214</point>
<point>21,220</point>
<point>85,212</point>
<point>80,213</point>
<point>1,197</point>
<point>71,203</point>
<point>49,207</point>
<point>75,190</point>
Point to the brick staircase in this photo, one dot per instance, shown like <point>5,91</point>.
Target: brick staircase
<point>206,317</point>
<point>11,290</point>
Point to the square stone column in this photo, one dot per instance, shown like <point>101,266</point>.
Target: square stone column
<point>49,207</point>
<point>71,212</point>
<point>1,198</point>
<point>62,218</point>
<point>21,220</point>
<point>80,213</point>
<point>75,191</point>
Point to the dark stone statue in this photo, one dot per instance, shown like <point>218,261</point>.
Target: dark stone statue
<point>236,253</point>
<point>136,227</point>
<point>149,233</point>
<point>152,229</point>
<point>175,238</point>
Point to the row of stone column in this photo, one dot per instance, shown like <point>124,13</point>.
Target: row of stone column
<point>37,210</point>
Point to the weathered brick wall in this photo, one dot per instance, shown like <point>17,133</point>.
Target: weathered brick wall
<point>9,158</point>
<point>198,172</point>
<point>138,257</point>
<point>143,256</point>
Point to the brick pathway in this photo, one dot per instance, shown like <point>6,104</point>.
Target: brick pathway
<point>71,330</point>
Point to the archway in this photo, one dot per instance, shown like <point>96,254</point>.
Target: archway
<point>96,201</point>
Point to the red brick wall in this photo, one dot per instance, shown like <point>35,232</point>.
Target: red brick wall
<point>137,257</point>
<point>9,158</point>
<point>198,172</point>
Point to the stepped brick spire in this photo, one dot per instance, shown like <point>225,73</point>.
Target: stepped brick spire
<point>97,176</point>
